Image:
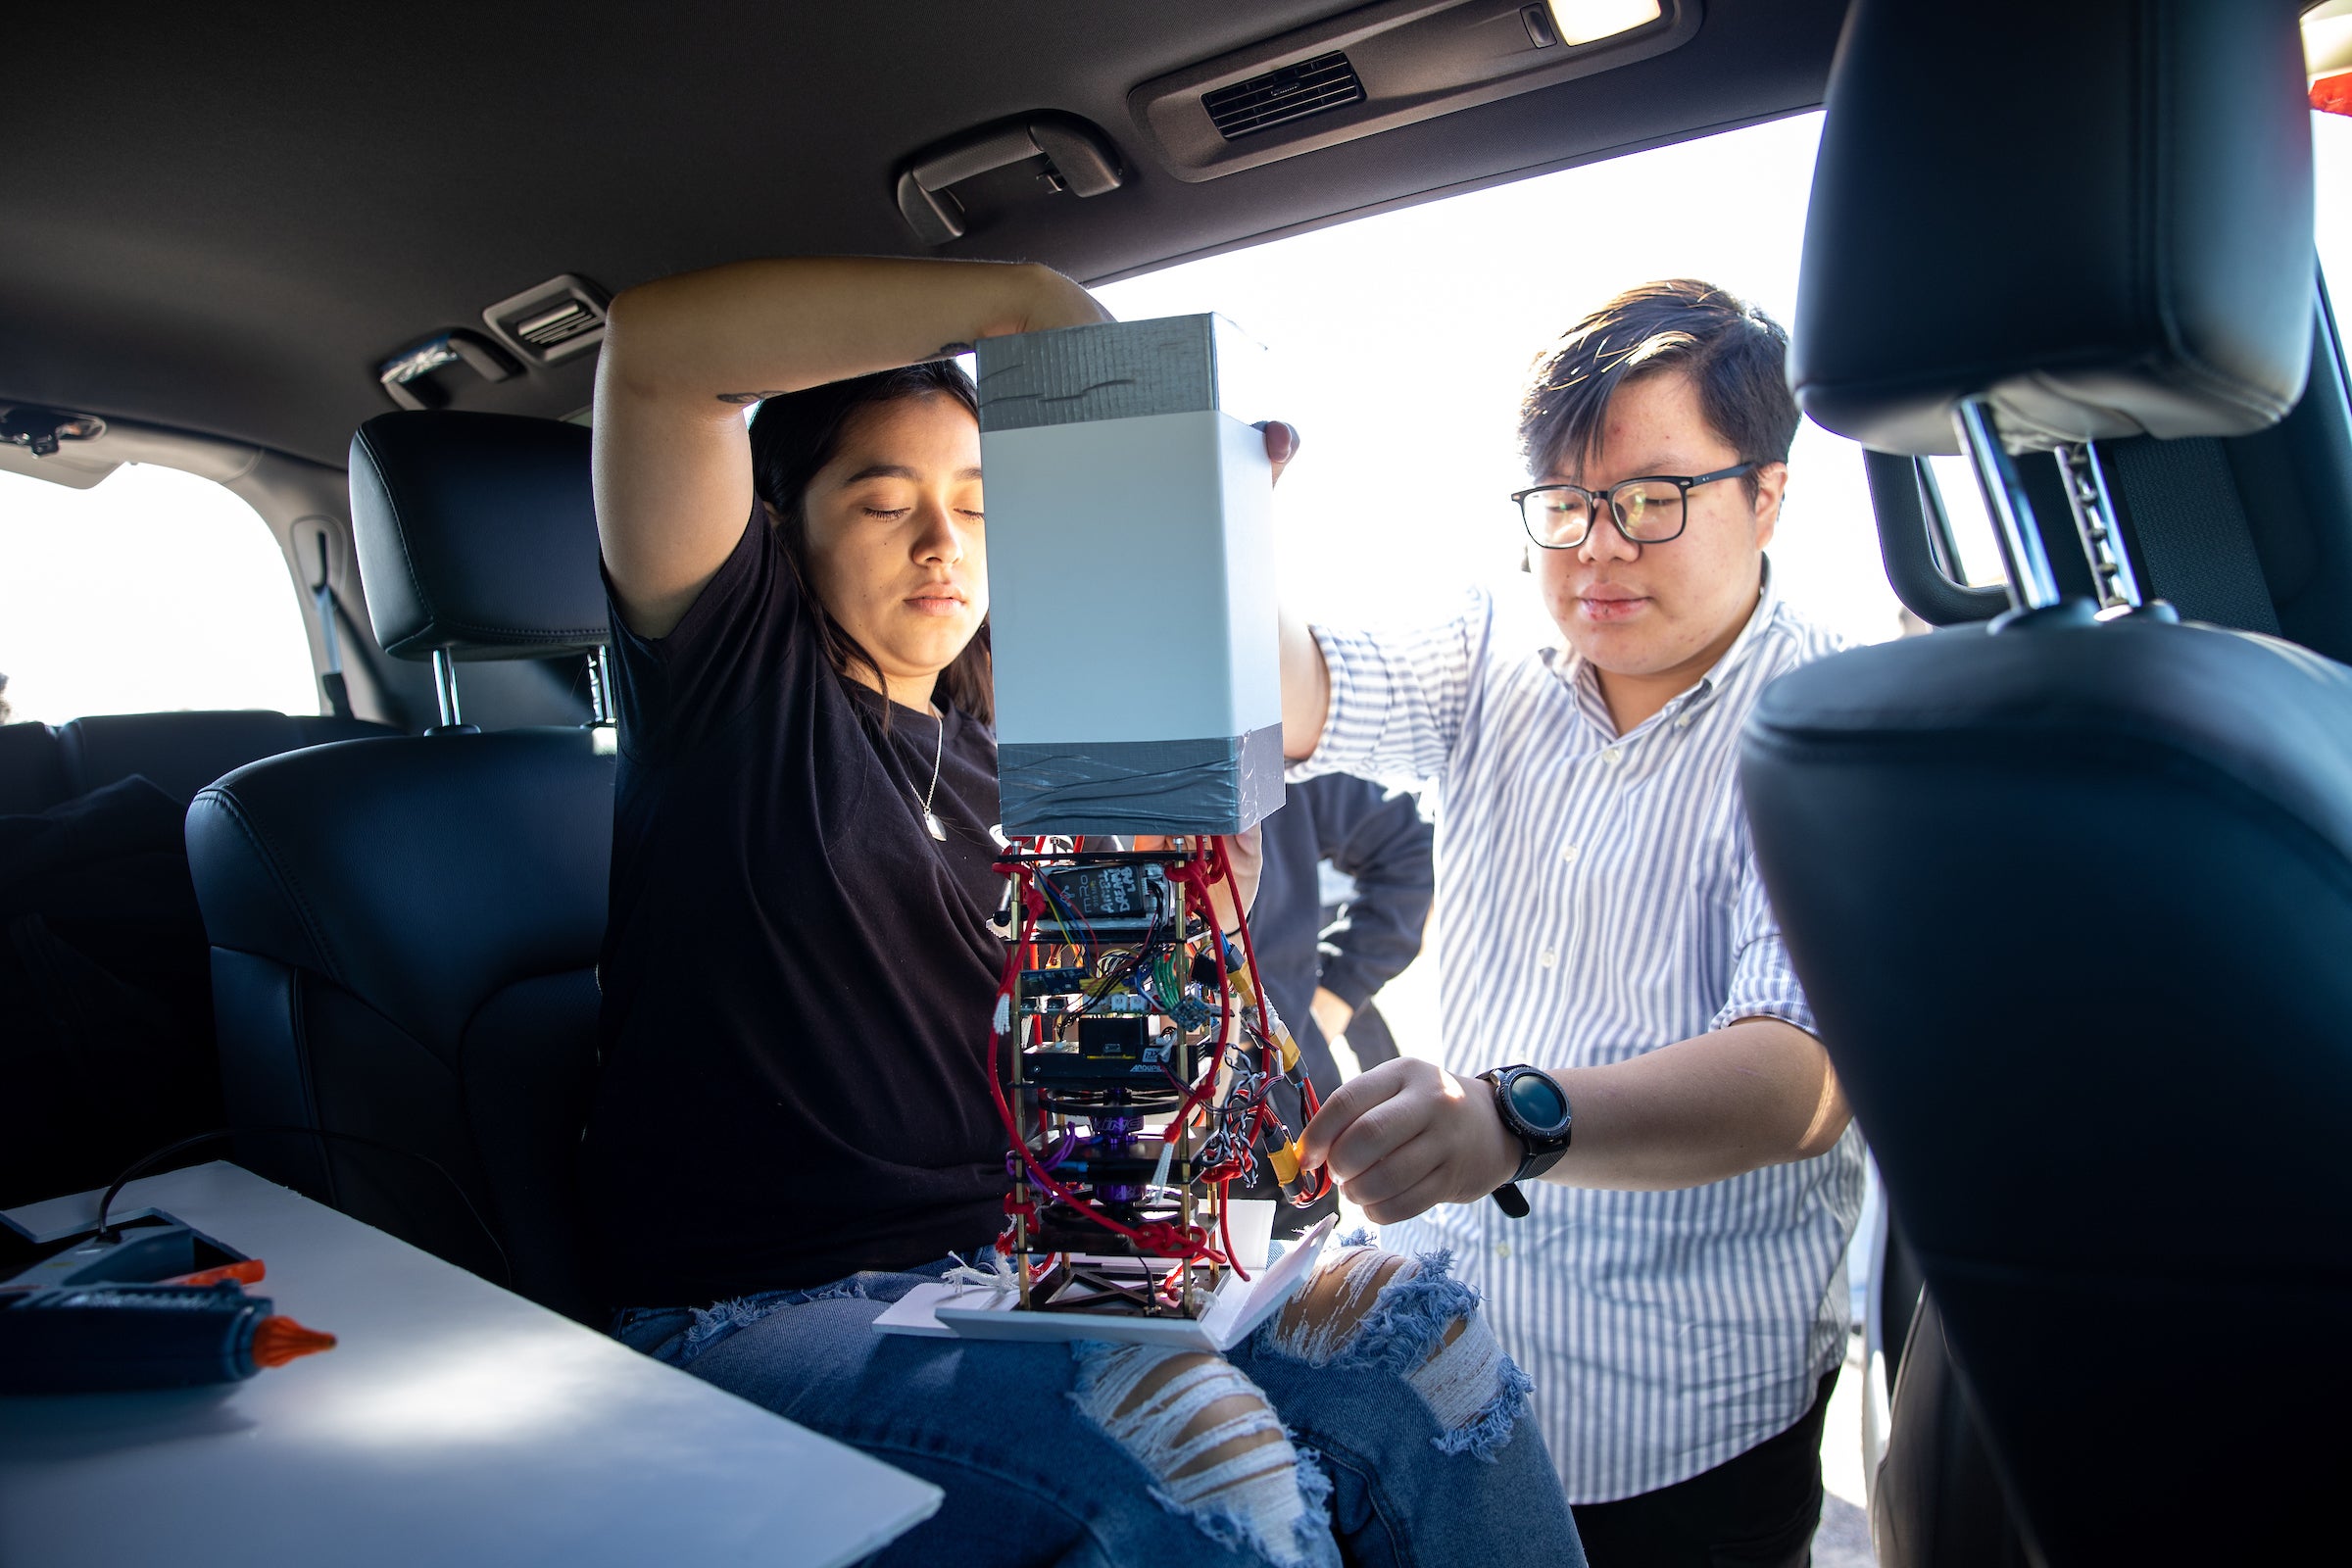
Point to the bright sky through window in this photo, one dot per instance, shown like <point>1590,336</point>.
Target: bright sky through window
<point>154,590</point>
<point>1402,342</point>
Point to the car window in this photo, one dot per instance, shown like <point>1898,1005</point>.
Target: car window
<point>153,589</point>
<point>2331,178</point>
<point>1401,341</point>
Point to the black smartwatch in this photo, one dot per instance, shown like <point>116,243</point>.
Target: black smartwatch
<point>1535,1110</point>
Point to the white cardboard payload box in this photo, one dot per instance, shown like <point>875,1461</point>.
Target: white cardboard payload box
<point>1131,578</point>
<point>986,1312</point>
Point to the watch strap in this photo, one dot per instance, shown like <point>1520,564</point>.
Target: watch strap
<point>1533,1158</point>
<point>1536,1163</point>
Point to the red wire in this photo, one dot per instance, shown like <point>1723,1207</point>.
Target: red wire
<point>1190,1243</point>
<point>1225,1230</point>
<point>1257,982</point>
<point>1159,1237</point>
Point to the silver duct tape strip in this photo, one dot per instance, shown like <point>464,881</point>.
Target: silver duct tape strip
<point>1119,370</point>
<point>1195,786</point>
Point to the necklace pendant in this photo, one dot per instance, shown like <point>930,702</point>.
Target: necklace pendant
<point>939,829</point>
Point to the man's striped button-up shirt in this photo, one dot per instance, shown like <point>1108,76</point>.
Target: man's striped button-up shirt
<point>1599,899</point>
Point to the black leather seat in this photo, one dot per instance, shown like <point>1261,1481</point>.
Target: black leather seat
<point>2072,898</point>
<point>106,1009</point>
<point>179,752</point>
<point>405,932</point>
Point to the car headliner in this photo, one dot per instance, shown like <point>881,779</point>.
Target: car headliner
<point>222,219</point>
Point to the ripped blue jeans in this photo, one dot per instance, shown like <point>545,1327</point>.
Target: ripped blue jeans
<point>1373,1421</point>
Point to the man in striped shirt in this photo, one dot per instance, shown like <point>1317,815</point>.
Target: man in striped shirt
<point>1674,1285</point>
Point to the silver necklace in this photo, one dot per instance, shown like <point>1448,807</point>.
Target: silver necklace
<point>931,819</point>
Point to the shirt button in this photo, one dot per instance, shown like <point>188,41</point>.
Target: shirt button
<point>1612,756</point>
<point>1682,722</point>
<point>1567,851</point>
<point>1502,1250</point>
<point>1548,959</point>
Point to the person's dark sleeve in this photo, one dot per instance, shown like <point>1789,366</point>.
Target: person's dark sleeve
<point>724,653</point>
<point>1384,844</point>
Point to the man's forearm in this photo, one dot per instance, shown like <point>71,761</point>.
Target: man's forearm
<point>1305,688</point>
<point>1756,1093</point>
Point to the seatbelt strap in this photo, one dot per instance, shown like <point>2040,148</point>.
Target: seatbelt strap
<point>322,594</point>
<point>2188,524</point>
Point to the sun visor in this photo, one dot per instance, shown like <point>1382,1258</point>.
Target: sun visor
<point>477,535</point>
<point>2098,214</point>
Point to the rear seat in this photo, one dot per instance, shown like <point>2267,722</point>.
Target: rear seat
<point>179,753</point>
<point>106,1014</point>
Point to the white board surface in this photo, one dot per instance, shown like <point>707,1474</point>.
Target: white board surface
<point>453,1423</point>
<point>984,1312</point>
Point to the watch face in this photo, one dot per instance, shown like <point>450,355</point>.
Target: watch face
<point>1540,1104</point>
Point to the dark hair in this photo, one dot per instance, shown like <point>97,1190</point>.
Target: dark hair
<point>1735,353</point>
<point>794,436</point>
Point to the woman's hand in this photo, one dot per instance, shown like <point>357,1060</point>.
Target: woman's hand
<point>1053,301</point>
<point>1407,1136</point>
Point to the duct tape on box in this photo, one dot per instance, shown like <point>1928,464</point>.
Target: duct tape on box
<point>1196,786</point>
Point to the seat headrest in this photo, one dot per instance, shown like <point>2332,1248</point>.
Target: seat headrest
<point>2098,214</point>
<point>477,534</point>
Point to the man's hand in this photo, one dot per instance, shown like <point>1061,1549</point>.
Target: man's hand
<point>1408,1136</point>
<point>1332,1015</point>
<point>1282,444</point>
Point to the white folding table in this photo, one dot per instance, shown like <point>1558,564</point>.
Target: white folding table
<point>453,1423</point>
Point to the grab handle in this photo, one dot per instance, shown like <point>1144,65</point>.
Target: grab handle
<point>1084,163</point>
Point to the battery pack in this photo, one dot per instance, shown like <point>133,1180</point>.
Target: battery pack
<point>1133,612</point>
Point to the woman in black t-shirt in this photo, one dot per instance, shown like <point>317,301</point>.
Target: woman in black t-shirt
<point>793,1125</point>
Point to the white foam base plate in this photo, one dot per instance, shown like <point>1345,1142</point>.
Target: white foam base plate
<point>987,1312</point>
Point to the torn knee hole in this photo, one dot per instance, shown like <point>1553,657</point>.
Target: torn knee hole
<point>1188,1416</point>
<point>1245,1415</point>
<point>1406,1316</point>
<point>1214,1447</point>
<point>1250,1426</point>
<point>1333,1304</point>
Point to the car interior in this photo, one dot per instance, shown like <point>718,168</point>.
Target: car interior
<point>353,264</point>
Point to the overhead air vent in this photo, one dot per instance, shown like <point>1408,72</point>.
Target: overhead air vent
<point>563,317</point>
<point>570,320</point>
<point>1386,65</point>
<point>1294,92</point>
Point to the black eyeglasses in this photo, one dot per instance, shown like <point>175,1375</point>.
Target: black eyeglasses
<point>1648,511</point>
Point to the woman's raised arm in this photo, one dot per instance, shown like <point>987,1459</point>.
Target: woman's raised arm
<point>684,355</point>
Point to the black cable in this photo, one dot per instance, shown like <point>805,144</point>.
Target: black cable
<point>148,1161</point>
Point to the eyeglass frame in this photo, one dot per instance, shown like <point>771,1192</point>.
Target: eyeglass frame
<point>1594,500</point>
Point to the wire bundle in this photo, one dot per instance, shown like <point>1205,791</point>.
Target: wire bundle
<point>1248,1053</point>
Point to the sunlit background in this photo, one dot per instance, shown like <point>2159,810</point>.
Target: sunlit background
<point>1401,343</point>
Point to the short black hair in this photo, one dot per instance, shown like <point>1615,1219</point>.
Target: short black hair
<point>1735,355</point>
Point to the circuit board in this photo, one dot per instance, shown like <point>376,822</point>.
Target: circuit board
<point>1140,1070</point>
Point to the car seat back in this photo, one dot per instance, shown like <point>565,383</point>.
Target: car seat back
<point>404,933</point>
<point>2069,896</point>
<point>179,753</point>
